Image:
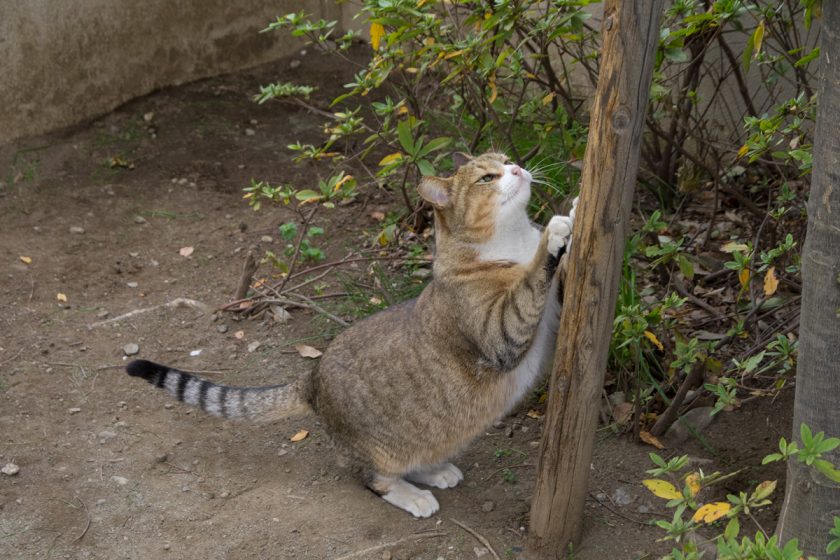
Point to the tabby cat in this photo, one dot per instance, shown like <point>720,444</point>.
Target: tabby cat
<point>409,387</point>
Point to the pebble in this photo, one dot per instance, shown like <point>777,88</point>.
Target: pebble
<point>421,273</point>
<point>294,64</point>
<point>386,555</point>
<point>488,506</point>
<point>280,314</point>
<point>254,345</point>
<point>139,220</point>
<point>621,497</point>
<point>182,181</point>
<point>166,546</point>
<point>10,469</point>
<point>480,552</point>
<point>102,314</point>
<point>121,480</point>
<point>77,230</point>
<point>267,239</point>
<point>498,424</point>
<point>250,132</point>
<point>132,284</point>
<point>149,117</point>
<point>131,349</point>
<point>74,410</point>
<point>224,495</point>
<point>168,405</point>
<point>107,434</point>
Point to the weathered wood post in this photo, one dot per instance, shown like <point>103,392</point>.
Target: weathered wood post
<point>630,31</point>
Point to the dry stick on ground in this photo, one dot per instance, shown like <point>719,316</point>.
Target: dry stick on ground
<point>630,32</point>
<point>480,538</point>
<point>667,418</point>
<point>368,551</point>
<point>179,302</point>
<point>248,270</point>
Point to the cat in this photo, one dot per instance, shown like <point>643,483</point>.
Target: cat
<point>407,388</point>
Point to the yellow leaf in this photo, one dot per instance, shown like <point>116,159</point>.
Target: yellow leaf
<point>652,337</point>
<point>758,38</point>
<point>744,277</point>
<point>341,182</point>
<point>390,158</point>
<point>742,151</point>
<point>301,435</point>
<point>421,2</point>
<point>27,260</point>
<point>710,513</point>
<point>547,99</point>
<point>732,246</point>
<point>535,414</point>
<point>453,54</point>
<point>651,439</point>
<point>376,34</point>
<point>412,70</point>
<point>771,283</point>
<point>662,489</point>
<point>493,91</point>
<point>403,110</point>
<point>61,297</point>
<point>693,483</point>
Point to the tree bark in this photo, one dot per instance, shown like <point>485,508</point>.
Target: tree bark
<point>811,500</point>
<point>630,32</point>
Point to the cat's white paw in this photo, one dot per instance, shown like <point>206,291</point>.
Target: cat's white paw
<point>559,232</point>
<point>445,475</point>
<point>417,502</point>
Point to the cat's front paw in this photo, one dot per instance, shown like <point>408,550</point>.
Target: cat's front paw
<point>559,233</point>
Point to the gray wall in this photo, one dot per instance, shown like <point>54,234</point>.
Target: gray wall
<point>64,61</point>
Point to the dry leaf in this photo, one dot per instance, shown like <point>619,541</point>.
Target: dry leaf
<point>375,300</point>
<point>186,251</point>
<point>732,246</point>
<point>239,335</point>
<point>27,260</point>
<point>662,489</point>
<point>307,351</point>
<point>622,413</point>
<point>494,92</point>
<point>652,337</point>
<point>390,158</point>
<point>61,297</point>
<point>651,439</point>
<point>377,215</point>
<point>535,414</point>
<point>710,513</point>
<point>693,483</point>
<point>771,283</point>
<point>301,435</point>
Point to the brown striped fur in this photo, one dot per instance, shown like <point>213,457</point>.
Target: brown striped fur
<point>407,388</point>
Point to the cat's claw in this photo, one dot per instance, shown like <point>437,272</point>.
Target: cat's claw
<point>559,233</point>
<point>445,475</point>
<point>417,502</point>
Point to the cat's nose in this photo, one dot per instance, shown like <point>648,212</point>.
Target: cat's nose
<point>516,170</point>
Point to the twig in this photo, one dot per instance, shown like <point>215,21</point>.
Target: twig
<point>311,304</point>
<point>667,418</point>
<point>479,537</point>
<point>179,302</point>
<point>697,301</point>
<point>370,550</point>
<point>87,525</point>
<point>15,357</point>
<point>618,513</point>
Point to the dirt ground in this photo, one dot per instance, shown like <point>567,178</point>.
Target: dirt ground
<point>110,468</point>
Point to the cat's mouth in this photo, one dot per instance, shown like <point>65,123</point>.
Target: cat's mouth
<point>518,188</point>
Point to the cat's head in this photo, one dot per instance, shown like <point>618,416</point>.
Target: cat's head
<point>484,193</point>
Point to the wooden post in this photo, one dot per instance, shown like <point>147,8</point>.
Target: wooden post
<point>630,31</point>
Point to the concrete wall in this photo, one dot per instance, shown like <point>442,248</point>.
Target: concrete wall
<point>64,61</point>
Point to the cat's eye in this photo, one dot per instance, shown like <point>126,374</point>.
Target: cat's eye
<point>487,178</point>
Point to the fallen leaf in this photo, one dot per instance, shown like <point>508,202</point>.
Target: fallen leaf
<point>733,246</point>
<point>535,414</point>
<point>744,277</point>
<point>239,335</point>
<point>186,251</point>
<point>377,215</point>
<point>375,300</point>
<point>710,513</point>
<point>693,483</point>
<point>307,351</point>
<point>301,435</point>
<point>61,297</point>
<point>622,413</point>
<point>27,260</point>
<point>652,337</point>
<point>771,283</point>
<point>662,489</point>
<point>651,439</point>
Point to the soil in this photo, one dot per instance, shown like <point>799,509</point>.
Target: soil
<point>110,468</point>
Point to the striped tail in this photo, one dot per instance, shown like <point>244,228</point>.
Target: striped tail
<point>269,403</point>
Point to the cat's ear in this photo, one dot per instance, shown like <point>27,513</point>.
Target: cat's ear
<point>435,191</point>
<point>459,159</point>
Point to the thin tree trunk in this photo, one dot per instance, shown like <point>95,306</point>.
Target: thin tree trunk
<point>630,32</point>
<point>811,500</point>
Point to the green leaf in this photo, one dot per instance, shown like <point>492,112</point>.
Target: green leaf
<point>308,195</point>
<point>685,267</point>
<point>406,139</point>
<point>806,435</point>
<point>434,145</point>
<point>833,546</point>
<point>827,468</point>
<point>426,168</point>
<point>772,458</point>
<point>732,529</point>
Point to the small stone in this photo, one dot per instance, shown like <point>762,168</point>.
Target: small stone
<point>224,495</point>
<point>488,506</point>
<point>267,239</point>
<point>294,64</point>
<point>10,469</point>
<point>121,480</point>
<point>509,431</point>
<point>498,424</point>
<point>386,555</point>
<point>421,273</point>
<point>480,552</point>
<point>621,497</point>
<point>131,349</point>
<point>250,132</point>
<point>254,345</point>
<point>122,404</point>
<point>223,328</point>
<point>74,410</point>
<point>139,220</point>
<point>280,314</point>
<point>76,230</point>
<point>132,284</point>
<point>107,434</point>
<point>166,546</point>
<point>168,405</point>
<point>102,314</point>
<point>149,117</point>
<point>182,181</point>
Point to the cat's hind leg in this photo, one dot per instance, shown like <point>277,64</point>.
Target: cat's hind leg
<point>404,495</point>
<point>444,475</point>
